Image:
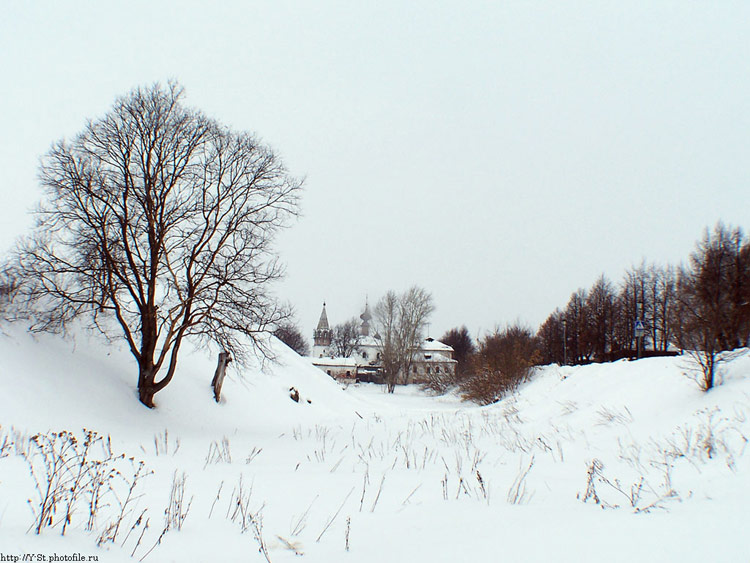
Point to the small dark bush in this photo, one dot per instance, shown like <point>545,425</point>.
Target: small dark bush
<point>503,362</point>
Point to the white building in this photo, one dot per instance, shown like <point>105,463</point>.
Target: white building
<point>433,357</point>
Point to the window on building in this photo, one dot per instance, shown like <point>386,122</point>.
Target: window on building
<point>428,371</point>
<point>437,369</point>
<point>364,355</point>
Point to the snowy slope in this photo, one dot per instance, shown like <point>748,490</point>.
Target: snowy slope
<point>405,477</point>
<point>99,379</point>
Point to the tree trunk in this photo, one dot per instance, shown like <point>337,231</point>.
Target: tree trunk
<point>390,383</point>
<point>218,380</point>
<point>146,387</point>
<point>709,368</point>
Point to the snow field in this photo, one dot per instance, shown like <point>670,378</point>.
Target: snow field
<point>617,461</point>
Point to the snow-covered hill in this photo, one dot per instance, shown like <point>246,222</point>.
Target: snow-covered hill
<point>611,462</point>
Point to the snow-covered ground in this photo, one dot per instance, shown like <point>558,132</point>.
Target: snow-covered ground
<point>619,462</point>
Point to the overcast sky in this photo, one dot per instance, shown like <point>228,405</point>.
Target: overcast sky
<point>498,154</point>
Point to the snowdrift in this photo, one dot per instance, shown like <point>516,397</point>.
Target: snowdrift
<point>83,381</point>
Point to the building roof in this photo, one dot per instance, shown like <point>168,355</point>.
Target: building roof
<point>369,341</point>
<point>323,321</point>
<point>335,362</point>
<point>432,345</point>
<point>428,344</point>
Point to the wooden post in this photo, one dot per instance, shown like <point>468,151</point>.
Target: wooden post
<point>224,359</point>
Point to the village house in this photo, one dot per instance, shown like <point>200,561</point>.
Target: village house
<point>364,364</point>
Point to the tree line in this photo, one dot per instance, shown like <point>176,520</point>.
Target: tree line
<point>701,307</point>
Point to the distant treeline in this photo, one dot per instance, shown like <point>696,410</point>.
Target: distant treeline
<point>701,305</point>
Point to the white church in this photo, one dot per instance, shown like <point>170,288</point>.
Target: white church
<point>433,357</point>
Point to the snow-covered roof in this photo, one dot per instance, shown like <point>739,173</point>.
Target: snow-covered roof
<point>368,341</point>
<point>332,362</point>
<point>430,344</point>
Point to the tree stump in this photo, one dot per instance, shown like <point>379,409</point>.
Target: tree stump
<point>224,359</point>
<point>294,394</point>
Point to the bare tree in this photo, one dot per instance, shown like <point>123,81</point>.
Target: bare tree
<point>8,287</point>
<point>160,220</point>
<point>738,325</point>
<point>400,321</point>
<point>601,304</point>
<point>696,328</point>
<point>291,335</point>
<point>346,338</point>
<point>578,332</point>
<point>662,288</point>
<point>704,306</point>
<point>713,292</point>
<point>387,335</point>
<point>463,348</point>
<point>635,304</point>
<point>551,338</point>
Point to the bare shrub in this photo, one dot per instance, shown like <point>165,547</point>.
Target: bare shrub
<point>612,415</point>
<point>163,444</point>
<point>177,509</point>
<point>75,475</point>
<point>504,361</point>
<point>640,495</point>
<point>239,511</point>
<point>112,530</point>
<point>517,493</point>
<point>218,453</point>
<point>175,513</point>
<point>255,452</point>
<point>440,381</point>
<point>713,437</point>
<point>299,523</point>
<point>335,515</point>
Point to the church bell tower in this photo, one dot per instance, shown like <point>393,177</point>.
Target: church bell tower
<point>322,335</point>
